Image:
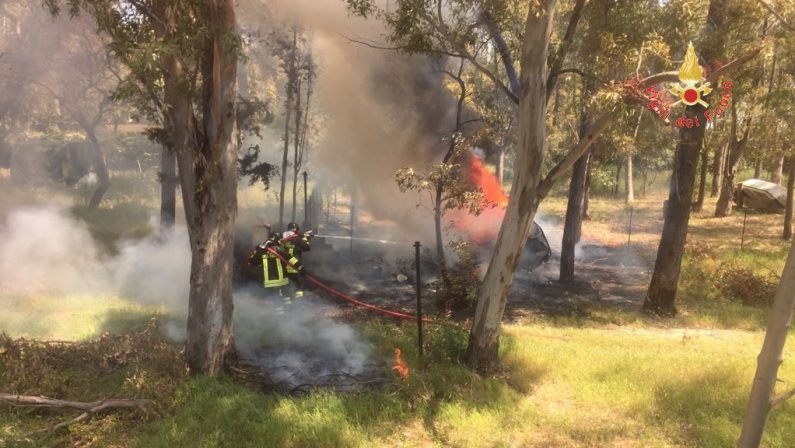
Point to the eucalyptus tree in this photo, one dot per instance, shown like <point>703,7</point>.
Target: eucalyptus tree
<point>192,48</point>
<point>722,18</point>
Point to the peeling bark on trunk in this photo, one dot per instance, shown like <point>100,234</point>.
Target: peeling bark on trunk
<point>765,378</point>
<point>790,188</point>
<point>484,339</point>
<point>717,169</point>
<point>214,168</point>
<point>662,290</point>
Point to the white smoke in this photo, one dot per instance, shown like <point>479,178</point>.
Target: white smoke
<point>296,344</point>
<point>44,250</point>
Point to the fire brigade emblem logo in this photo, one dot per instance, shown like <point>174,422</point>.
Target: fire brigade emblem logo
<point>691,90</point>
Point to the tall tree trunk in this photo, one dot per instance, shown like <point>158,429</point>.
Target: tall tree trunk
<point>717,169</point>
<point>734,154</point>
<point>586,200</point>
<point>209,170</point>
<point>287,111</point>
<point>618,178</point>
<point>500,166</point>
<point>168,189</point>
<point>662,290</point>
<point>572,228</point>
<point>762,399</point>
<point>484,338</point>
<point>702,182</point>
<point>758,168</point>
<point>296,141</point>
<point>628,183</point>
<point>778,169</point>
<point>100,168</point>
<point>790,188</point>
<point>629,186</point>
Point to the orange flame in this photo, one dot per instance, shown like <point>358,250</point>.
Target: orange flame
<point>400,366</point>
<point>483,228</point>
<point>487,182</point>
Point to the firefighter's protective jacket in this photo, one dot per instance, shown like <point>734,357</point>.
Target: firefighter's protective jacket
<point>271,258</point>
<point>295,244</point>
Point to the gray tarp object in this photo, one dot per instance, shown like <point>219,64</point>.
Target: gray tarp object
<point>760,195</point>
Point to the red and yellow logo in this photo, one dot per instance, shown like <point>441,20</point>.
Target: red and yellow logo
<point>690,73</point>
<point>690,91</point>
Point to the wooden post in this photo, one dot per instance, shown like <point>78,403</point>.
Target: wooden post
<point>419,297</point>
<point>745,218</point>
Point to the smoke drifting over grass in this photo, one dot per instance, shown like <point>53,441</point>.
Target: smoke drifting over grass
<point>47,253</point>
<point>297,344</point>
<point>43,250</point>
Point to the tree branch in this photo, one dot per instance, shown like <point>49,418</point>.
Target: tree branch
<point>560,56</point>
<point>582,146</point>
<point>782,398</point>
<point>569,70</point>
<point>605,119</point>
<point>778,16</point>
<point>505,53</point>
<point>90,407</point>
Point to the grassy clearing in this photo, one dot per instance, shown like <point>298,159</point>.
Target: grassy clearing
<point>613,378</point>
<point>559,387</point>
<point>69,318</point>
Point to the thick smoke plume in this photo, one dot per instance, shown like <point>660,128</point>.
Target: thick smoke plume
<point>384,111</point>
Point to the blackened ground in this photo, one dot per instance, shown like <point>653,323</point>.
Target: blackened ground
<point>384,275</point>
<point>604,275</point>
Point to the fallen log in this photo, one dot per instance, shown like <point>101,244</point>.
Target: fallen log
<point>88,408</point>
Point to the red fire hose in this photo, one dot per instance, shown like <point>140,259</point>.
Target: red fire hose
<point>315,281</point>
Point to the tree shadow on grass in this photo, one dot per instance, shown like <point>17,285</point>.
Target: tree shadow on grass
<point>705,410</point>
<point>219,413</point>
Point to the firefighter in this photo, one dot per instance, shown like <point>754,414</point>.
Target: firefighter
<point>295,243</point>
<point>271,257</point>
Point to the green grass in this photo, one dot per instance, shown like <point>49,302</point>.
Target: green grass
<point>69,318</point>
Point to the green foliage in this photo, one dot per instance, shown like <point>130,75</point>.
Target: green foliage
<point>464,278</point>
<point>719,277</point>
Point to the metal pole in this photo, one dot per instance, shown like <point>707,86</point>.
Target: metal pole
<point>306,209</point>
<point>742,238</point>
<point>419,297</point>
<point>629,234</point>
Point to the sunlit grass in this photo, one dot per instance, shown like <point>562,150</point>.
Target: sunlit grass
<point>559,387</point>
<point>69,317</point>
